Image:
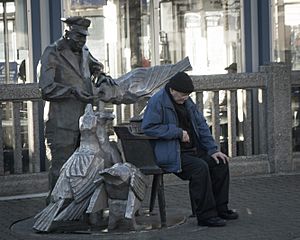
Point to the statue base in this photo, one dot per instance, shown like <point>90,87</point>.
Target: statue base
<point>145,222</point>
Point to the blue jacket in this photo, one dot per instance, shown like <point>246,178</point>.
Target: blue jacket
<point>160,120</point>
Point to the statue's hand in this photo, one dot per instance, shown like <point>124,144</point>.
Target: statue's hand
<point>82,95</point>
<point>102,77</point>
<point>97,68</point>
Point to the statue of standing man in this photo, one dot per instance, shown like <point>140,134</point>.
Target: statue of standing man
<point>64,75</point>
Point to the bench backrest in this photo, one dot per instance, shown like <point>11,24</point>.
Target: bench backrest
<point>138,150</point>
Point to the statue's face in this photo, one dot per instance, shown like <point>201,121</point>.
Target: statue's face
<point>76,40</point>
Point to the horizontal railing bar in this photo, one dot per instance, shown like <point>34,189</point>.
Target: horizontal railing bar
<point>252,158</point>
<point>229,81</point>
<point>19,92</point>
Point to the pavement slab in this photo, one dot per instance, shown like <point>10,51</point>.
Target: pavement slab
<point>269,208</point>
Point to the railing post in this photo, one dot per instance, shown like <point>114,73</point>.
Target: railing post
<point>279,117</point>
<point>33,137</point>
<point>231,116</point>
<point>248,123</point>
<point>215,117</point>
<point>17,141</point>
<point>1,144</point>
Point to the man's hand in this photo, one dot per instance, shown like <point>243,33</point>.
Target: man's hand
<point>220,156</point>
<point>185,136</point>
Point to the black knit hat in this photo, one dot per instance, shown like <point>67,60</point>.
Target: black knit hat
<point>181,82</point>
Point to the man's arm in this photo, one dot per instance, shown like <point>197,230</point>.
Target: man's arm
<point>152,124</point>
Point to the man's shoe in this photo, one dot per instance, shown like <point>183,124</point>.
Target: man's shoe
<point>229,215</point>
<point>212,222</point>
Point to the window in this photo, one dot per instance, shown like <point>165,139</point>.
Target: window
<point>14,51</point>
<point>119,32</point>
<point>209,32</point>
<point>286,48</point>
<point>286,32</point>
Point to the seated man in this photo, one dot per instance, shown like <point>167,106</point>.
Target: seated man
<point>186,147</point>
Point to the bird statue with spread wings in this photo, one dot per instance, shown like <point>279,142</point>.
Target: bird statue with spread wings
<point>75,186</point>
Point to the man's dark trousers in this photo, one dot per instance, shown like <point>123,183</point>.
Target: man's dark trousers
<point>208,184</point>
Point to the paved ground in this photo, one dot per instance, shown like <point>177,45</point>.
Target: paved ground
<point>269,208</point>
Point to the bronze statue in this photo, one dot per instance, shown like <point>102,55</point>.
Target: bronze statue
<point>64,75</point>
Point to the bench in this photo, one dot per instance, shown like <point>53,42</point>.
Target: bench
<point>138,150</point>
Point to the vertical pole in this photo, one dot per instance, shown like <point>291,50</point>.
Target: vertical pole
<point>248,122</point>
<point>6,44</point>
<point>1,144</point>
<point>33,136</point>
<point>199,101</point>
<point>154,25</point>
<point>231,116</point>
<point>215,117</point>
<point>17,142</point>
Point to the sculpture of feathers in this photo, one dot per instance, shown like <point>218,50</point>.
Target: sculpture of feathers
<point>75,186</point>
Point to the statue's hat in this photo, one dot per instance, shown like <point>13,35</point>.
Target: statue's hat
<point>77,24</point>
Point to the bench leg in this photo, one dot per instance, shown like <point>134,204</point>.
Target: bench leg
<point>161,200</point>
<point>153,192</point>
